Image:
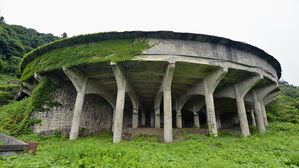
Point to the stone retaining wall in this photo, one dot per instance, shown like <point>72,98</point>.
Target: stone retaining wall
<point>96,115</point>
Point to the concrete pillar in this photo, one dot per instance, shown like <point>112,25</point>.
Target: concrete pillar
<point>258,112</point>
<point>167,80</point>
<point>118,120</point>
<point>195,117</point>
<point>167,116</point>
<point>77,112</point>
<point>242,112</point>
<point>80,83</point>
<point>152,118</point>
<point>253,122</point>
<point>218,121</point>
<point>270,97</point>
<point>209,85</point>
<point>113,117</point>
<point>196,120</point>
<point>135,118</point>
<point>211,118</point>
<point>157,117</point>
<point>264,114</point>
<point>143,117</point>
<point>120,103</point>
<point>179,119</point>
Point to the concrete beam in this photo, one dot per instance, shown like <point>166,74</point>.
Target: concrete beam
<point>270,97</point>
<point>77,78</point>
<point>264,91</point>
<point>80,82</point>
<point>197,104</point>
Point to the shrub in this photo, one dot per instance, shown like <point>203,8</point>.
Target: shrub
<point>15,117</point>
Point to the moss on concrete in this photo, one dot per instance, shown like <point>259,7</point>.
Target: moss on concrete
<point>78,55</point>
<point>100,37</point>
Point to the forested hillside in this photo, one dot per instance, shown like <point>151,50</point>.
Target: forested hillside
<point>285,107</point>
<point>15,41</point>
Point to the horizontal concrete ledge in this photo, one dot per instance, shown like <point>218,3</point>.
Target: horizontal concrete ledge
<point>4,148</point>
<point>206,61</point>
<point>12,146</point>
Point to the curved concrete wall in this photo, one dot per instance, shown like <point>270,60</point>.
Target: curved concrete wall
<point>208,51</point>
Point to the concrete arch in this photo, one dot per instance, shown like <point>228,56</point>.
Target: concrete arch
<point>134,100</point>
<point>107,98</point>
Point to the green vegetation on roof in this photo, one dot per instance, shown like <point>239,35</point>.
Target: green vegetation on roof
<point>100,37</point>
<point>75,55</point>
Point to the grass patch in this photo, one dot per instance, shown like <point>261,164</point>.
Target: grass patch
<point>112,50</point>
<point>278,147</point>
<point>6,78</point>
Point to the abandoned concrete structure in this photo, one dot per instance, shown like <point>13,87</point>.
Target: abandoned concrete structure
<point>182,80</point>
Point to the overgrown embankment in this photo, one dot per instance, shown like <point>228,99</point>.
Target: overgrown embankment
<point>14,117</point>
<point>285,107</point>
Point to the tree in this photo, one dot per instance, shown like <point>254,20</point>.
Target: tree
<point>64,35</point>
<point>2,19</point>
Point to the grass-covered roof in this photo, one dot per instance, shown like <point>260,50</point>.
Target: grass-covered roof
<point>101,37</point>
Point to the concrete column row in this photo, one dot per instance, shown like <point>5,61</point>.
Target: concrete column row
<point>205,87</point>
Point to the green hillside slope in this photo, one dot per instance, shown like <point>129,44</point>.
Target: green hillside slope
<point>15,41</point>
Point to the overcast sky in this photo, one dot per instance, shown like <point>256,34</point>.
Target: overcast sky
<point>272,25</point>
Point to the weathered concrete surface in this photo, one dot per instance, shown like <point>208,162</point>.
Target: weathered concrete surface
<point>209,51</point>
<point>166,84</point>
<point>253,122</point>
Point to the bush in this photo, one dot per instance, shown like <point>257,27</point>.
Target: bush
<point>15,117</point>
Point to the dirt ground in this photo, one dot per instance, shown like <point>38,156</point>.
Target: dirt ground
<point>178,134</point>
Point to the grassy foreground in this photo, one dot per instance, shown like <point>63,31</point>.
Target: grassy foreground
<point>278,147</point>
